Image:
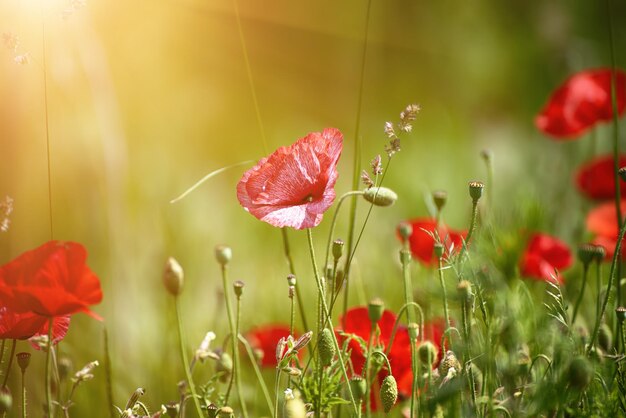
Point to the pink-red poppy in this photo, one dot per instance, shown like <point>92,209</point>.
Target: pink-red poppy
<point>21,326</point>
<point>545,257</point>
<point>295,185</point>
<point>596,179</point>
<point>52,280</point>
<point>422,242</point>
<point>265,339</point>
<point>581,102</point>
<point>357,322</point>
<point>602,221</point>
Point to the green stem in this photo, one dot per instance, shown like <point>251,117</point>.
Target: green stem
<point>6,375</point>
<point>257,372</point>
<point>612,277</point>
<point>23,393</point>
<point>384,356</point>
<point>333,223</point>
<point>237,363</point>
<point>108,374</point>
<point>276,385</point>
<point>50,411</point>
<point>329,320</point>
<point>183,356</point>
<point>231,326</point>
<point>292,270</point>
<point>366,372</point>
<point>445,293</point>
<point>582,292</point>
<point>395,325</point>
<point>466,332</point>
<point>472,227</point>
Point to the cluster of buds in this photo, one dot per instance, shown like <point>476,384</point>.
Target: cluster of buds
<point>288,347</point>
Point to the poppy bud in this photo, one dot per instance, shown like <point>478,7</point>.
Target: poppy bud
<point>223,254</point>
<point>620,312</point>
<point>464,289</point>
<point>389,393</point>
<point>600,253</point>
<point>586,253</point>
<point>487,155</point>
<point>358,386</point>
<point>375,310</point>
<point>427,353</point>
<point>605,338</point>
<point>414,331</point>
<point>380,196</point>
<point>326,347</point>
<point>622,173</point>
<point>580,373</point>
<point>23,360</point>
<point>291,280</point>
<point>337,249</point>
<point>172,409</point>
<point>449,362</point>
<point>173,276</point>
<point>476,190</point>
<point>406,230</point>
<point>238,286</point>
<point>6,400</point>
<point>438,249</point>
<point>226,412</point>
<point>405,257</point>
<point>440,197</point>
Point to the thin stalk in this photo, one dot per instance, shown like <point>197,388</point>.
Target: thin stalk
<point>612,277</point>
<point>472,227</point>
<point>598,285</point>
<point>257,372</point>
<point>445,294</point>
<point>333,223</point>
<point>329,321</point>
<point>6,376</point>
<point>231,325</point>
<point>237,363</point>
<point>414,383</point>
<point>108,374</point>
<point>49,411</point>
<point>366,372</point>
<point>183,356</point>
<point>467,353</point>
<point>276,385</point>
<point>292,270</point>
<point>582,292</point>
<point>45,98</point>
<point>24,393</point>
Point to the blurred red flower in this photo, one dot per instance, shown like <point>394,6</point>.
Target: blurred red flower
<point>357,322</point>
<point>422,243</point>
<point>596,180</point>
<point>21,326</point>
<point>295,185</point>
<point>602,221</point>
<point>581,102</point>
<point>266,339</point>
<point>543,255</point>
<point>51,280</point>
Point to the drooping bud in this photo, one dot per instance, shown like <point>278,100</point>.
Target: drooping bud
<point>23,360</point>
<point>6,400</point>
<point>476,190</point>
<point>487,156</point>
<point>440,197</point>
<point>223,254</point>
<point>605,338</point>
<point>380,196</point>
<point>622,173</point>
<point>389,393</point>
<point>358,386</point>
<point>406,230</point>
<point>326,347</point>
<point>464,289</point>
<point>375,310</point>
<point>337,249</point>
<point>173,276</point>
<point>238,286</point>
<point>438,249</point>
<point>580,373</point>
<point>427,353</point>
<point>414,331</point>
<point>586,253</point>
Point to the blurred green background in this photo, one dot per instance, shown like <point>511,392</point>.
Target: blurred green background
<point>145,97</point>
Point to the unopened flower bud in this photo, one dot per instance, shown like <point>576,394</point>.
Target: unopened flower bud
<point>414,331</point>
<point>406,230</point>
<point>580,373</point>
<point>405,257</point>
<point>487,155</point>
<point>326,347</point>
<point>303,341</point>
<point>380,196</point>
<point>23,360</point>
<point>238,286</point>
<point>438,249</point>
<point>600,253</point>
<point>620,312</point>
<point>464,289</point>
<point>427,353</point>
<point>337,249</point>
<point>6,400</point>
<point>375,310</point>
<point>291,280</point>
<point>389,393</point>
<point>586,253</point>
<point>358,386</point>
<point>292,371</point>
<point>223,254</point>
<point>622,173</point>
<point>172,409</point>
<point>449,362</point>
<point>173,277</point>
<point>605,338</point>
<point>440,197</point>
<point>476,190</point>
<point>226,412</point>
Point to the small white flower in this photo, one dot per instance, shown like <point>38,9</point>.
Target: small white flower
<point>289,394</point>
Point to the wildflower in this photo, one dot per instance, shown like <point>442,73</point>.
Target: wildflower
<point>389,130</point>
<point>60,325</point>
<point>204,350</point>
<point>51,280</point>
<point>596,179</point>
<point>295,185</point>
<point>602,221</point>
<point>266,339</point>
<point>422,240</point>
<point>85,373</point>
<point>408,115</point>
<point>366,179</point>
<point>581,102</point>
<point>392,147</point>
<point>357,322</point>
<point>543,255</point>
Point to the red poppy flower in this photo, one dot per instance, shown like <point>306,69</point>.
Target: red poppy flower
<point>581,102</point>
<point>422,243</point>
<point>596,179</point>
<point>543,255</point>
<point>51,280</point>
<point>602,221</point>
<point>357,322</point>
<point>21,326</point>
<point>266,339</point>
<point>295,185</point>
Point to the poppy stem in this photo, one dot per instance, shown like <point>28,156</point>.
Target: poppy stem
<point>612,277</point>
<point>276,385</point>
<point>6,375</point>
<point>45,99</point>
<point>108,373</point>
<point>49,411</point>
<point>257,372</point>
<point>231,324</point>
<point>24,393</point>
<point>445,294</point>
<point>394,330</point>
<point>183,356</point>
<point>366,372</point>
<point>329,320</point>
<point>582,292</point>
<point>292,270</point>
<point>237,362</point>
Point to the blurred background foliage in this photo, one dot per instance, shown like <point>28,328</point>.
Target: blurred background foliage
<point>145,97</point>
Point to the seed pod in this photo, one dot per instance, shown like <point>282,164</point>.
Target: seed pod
<point>375,310</point>
<point>389,393</point>
<point>337,249</point>
<point>405,230</point>
<point>476,190</point>
<point>427,353</point>
<point>326,347</point>
<point>358,387</point>
<point>238,286</point>
<point>223,254</point>
<point>380,196</point>
<point>173,277</point>
<point>586,253</point>
<point>23,360</point>
<point>449,362</point>
<point>440,198</point>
